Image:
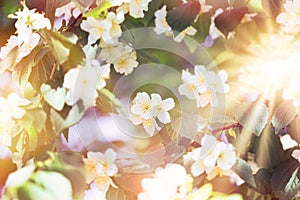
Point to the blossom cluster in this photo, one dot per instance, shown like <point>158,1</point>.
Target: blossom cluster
<point>203,85</point>
<point>121,56</point>
<point>27,24</point>
<point>173,182</point>
<point>290,17</point>
<point>11,109</point>
<point>144,110</point>
<point>79,84</point>
<point>100,168</point>
<point>218,161</point>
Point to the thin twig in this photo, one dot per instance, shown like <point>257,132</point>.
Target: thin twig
<point>53,71</point>
<point>226,127</point>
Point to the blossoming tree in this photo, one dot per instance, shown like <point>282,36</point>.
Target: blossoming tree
<point>151,100</point>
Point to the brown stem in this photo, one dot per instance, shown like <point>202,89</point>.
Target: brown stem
<point>53,71</point>
<point>226,127</point>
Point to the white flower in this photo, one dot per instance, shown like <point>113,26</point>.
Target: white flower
<point>135,8</point>
<point>65,13</point>
<point>219,161</point>
<point>189,86</point>
<point>296,154</point>
<point>226,155</point>
<point>149,125</point>
<point>171,182</point>
<point>145,111</point>
<point>116,20</point>
<point>219,83</point>
<point>288,142</point>
<point>126,63</point>
<point>142,106</point>
<point>118,2</point>
<point>27,22</point>
<point>104,71</point>
<point>191,31</point>
<point>161,25</point>
<point>204,78</point>
<point>100,167</point>
<point>292,92</point>
<point>27,47</point>
<point>203,86</point>
<point>24,47</point>
<point>208,97</point>
<point>161,107</point>
<point>54,97</point>
<point>97,29</point>
<point>204,7</point>
<point>214,32</point>
<point>11,107</point>
<point>11,43</point>
<point>290,19</point>
<point>83,82</point>
<point>123,57</point>
<point>198,167</point>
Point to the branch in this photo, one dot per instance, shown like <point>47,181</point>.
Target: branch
<point>226,127</point>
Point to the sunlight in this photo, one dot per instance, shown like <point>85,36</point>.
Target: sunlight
<point>275,64</point>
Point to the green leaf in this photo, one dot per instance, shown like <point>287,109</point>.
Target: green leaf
<point>292,183</point>
<point>227,21</point>
<point>252,116</point>
<point>63,49</point>
<point>98,11</point>
<point>107,102</point>
<point>41,71</point>
<point>32,139</point>
<point>152,8</point>
<point>256,5</point>
<point>83,5</point>
<point>22,70</point>
<point>269,151</point>
<point>59,45</point>
<point>202,25</point>
<point>71,165</point>
<point>29,119</point>
<point>76,57</point>
<point>46,185</point>
<point>283,115</point>
<point>244,170</point>
<point>171,3</point>
<point>263,181</point>
<point>183,16</point>
<point>73,117</point>
<point>282,175</point>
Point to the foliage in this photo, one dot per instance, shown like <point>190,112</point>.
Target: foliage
<point>119,99</point>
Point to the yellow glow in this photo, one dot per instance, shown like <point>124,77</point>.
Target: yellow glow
<point>274,64</point>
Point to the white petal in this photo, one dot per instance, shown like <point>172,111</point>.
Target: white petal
<point>197,168</point>
<point>164,117</point>
<point>168,104</point>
